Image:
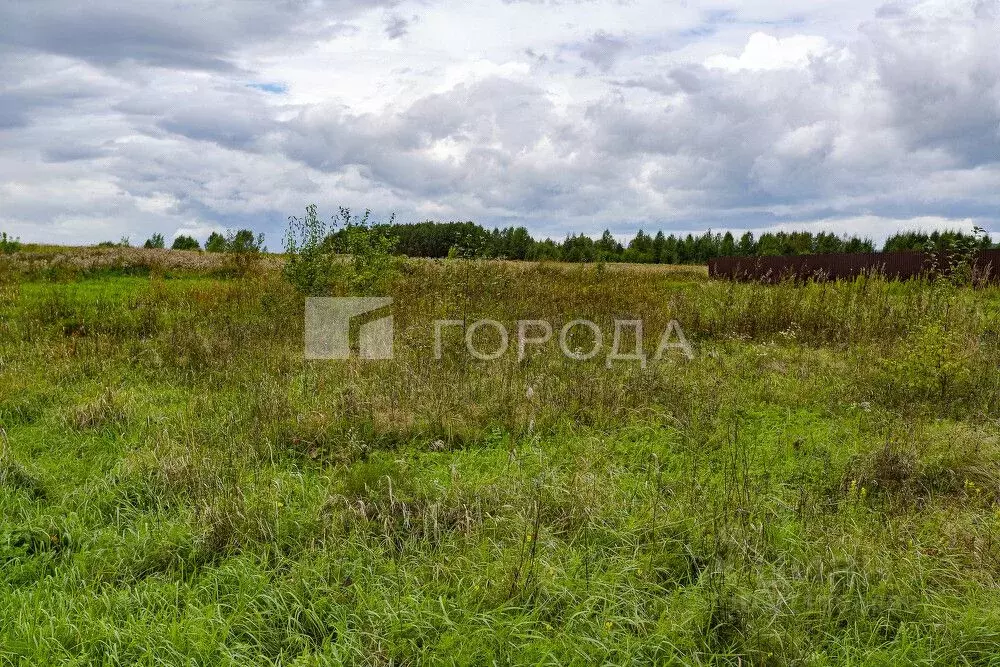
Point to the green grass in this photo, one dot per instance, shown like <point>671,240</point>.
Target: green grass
<point>818,487</point>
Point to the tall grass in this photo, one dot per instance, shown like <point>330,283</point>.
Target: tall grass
<point>818,486</point>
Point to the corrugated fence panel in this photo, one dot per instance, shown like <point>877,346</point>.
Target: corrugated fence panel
<point>840,266</point>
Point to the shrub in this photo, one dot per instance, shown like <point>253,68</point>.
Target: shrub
<point>156,241</point>
<point>243,252</point>
<point>310,263</point>
<point>372,265</point>
<point>184,242</point>
<point>244,241</point>
<point>123,243</point>
<point>216,242</point>
<point>938,364</point>
<point>312,247</point>
<point>9,245</point>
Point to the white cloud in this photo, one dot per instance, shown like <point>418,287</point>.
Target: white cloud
<point>563,116</point>
<point>767,52</point>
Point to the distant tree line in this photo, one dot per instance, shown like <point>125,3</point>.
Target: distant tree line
<point>467,239</point>
<point>242,241</point>
<point>948,240</point>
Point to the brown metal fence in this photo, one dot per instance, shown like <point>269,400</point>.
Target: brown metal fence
<point>985,265</point>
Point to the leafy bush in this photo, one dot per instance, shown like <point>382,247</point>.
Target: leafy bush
<point>373,265</point>
<point>216,242</point>
<point>242,248</point>
<point>310,263</point>
<point>312,246</point>
<point>156,241</point>
<point>123,243</point>
<point>243,241</point>
<point>243,252</point>
<point>937,364</point>
<point>184,242</point>
<point>961,253</point>
<point>9,245</point>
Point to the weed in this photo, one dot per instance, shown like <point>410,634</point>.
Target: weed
<point>819,485</point>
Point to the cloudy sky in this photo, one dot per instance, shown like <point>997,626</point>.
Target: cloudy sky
<point>184,116</point>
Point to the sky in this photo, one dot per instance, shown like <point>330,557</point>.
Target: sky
<point>187,116</point>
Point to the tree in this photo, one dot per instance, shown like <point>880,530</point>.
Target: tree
<point>706,247</point>
<point>828,242</point>
<point>519,243</point>
<point>184,242</point>
<point>9,244</point>
<point>607,248</point>
<point>156,241</point>
<point>216,242</point>
<point>310,260</point>
<point>659,246</point>
<point>640,249</point>
<point>244,242</point>
<point>123,243</point>
<point>686,253</point>
<point>671,254</point>
<point>546,250</point>
<point>728,246</point>
<point>770,244</point>
<point>855,244</point>
<point>578,249</point>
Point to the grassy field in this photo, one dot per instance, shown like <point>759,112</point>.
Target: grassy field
<point>819,486</point>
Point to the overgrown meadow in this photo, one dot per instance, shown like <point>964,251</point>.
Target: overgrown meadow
<point>819,486</point>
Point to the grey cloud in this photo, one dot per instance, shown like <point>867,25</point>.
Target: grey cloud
<point>891,10</point>
<point>657,84</point>
<point>788,139</point>
<point>397,26</point>
<point>106,36</point>
<point>500,122</point>
<point>987,9</point>
<point>232,121</point>
<point>201,35</point>
<point>855,131</point>
<point>902,121</point>
<point>943,81</point>
<point>73,153</point>
<point>30,89</point>
<point>688,78</point>
<point>492,110</point>
<point>13,112</point>
<point>603,50</point>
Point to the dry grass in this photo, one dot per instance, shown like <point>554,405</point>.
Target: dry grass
<point>177,485</point>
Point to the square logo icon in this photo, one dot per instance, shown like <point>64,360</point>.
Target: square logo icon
<point>333,324</point>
